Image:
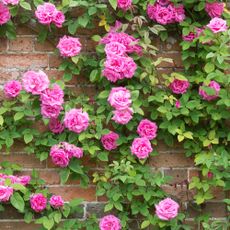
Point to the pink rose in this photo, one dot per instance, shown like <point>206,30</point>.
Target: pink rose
<point>141,147</point>
<point>59,156</point>
<point>12,89</point>
<point>52,96</point>
<point>214,9</point>
<point>49,111</point>
<point>109,141</point>
<point>122,116</point>
<point>76,120</point>
<point>69,46</point>
<point>124,4</point>
<point>35,82</point>
<point>110,222</point>
<point>210,175</point>
<point>213,85</point>
<point>5,193</point>
<point>59,18</point>
<point>72,150</point>
<point>23,180</point>
<point>4,14</point>
<point>179,86</point>
<point>56,201</point>
<point>120,98</point>
<point>11,2</point>
<point>56,126</point>
<point>217,25</point>
<point>163,2</point>
<point>177,104</point>
<point>115,48</point>
<point>38,202</point>
<point>167,209</point>
<point>147,128</point>
<point>179,13</point>
<point>47,13</point>
<point>192,35</point>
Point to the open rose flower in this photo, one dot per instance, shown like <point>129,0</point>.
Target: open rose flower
<point>56,201</point>
<point>148,129</point>
<point>109,141</point>
<point>56,126</point>
<point>69,46</point>
<point>213,85</point>
<point>5,193</point>
<point>59,156</point>
<point>214,9</point>
<point>217,25</point>
<point>122,116</point>
<point>12,89</point>
<point>179,86</point>
<point>76,120</point>
<point>38,202</point>
<point>110,222</point>
<point>10,2</point>
<point>141,147</point>
<point>72,150</point>
<point>35,82</point>
<point>49,111</point>
<point>23,180</point>
<point>120,98</point>
<point>4,14</point>
<point>59,18</point>
<point>124,4</point>
<point>115,48</point>
<point>167,209</point>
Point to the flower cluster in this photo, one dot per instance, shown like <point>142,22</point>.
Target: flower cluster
<point>62,153</point>
<point>165,12</point>
<point>212,85</point>
<point>12,89</point>
<point>120,99</point>
<point>38,202</point>
<point>4,14</point>
<point>48,13</point>
<point>124,4</point>
<point>7,191</point>
<point>118,65</point>
<point>109,141</point>
<point>110,222</point>
<point>69,46</point>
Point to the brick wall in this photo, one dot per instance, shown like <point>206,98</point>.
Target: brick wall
<point>25,53</point>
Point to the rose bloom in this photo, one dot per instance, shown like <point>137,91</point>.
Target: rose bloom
<point>47,13</point>
<point>23,180</point>
<point>163,2</point>
<point>124,4</point>
<point>35,82</point>
<point>109,141</point>
<point>192,35</point>
<point>76,120</point>
<point>167,209</point>
<point>214,9</point>
<point>56,126</point>
<point>69,46</point>
<point>12,89</point>
<point>38,202</point>
<point>49,111</point>
<point>115,48</point>
<point>213,85</point>
<point>141,147</point>
<point>120,98</point>
<point>147,128</point>
<point>56,201</point>
<point>110,222</point>
<point>122,116</point>
<point>12,2</point>
<point>130,43</point>
<point>52,96</point>
<point>179,13</point>
<point>217,25</point>
<point>59,156</point>
<point>5,193</point>
<point>177,104</point>
<point>179,86</point>
<point>4,14</point>
<point>72,150</point>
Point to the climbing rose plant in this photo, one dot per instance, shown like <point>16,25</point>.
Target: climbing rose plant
<point>134,109</point>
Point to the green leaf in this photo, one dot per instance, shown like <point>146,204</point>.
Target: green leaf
<point>113,3</point>
<point>48,223</point>
<point>103,156</point>
<point>64,175</point>
<point>209,67</point>
<point>17,201</point>
<point>1,120</point>
<point>28,137</point>
<point>145,224</point>
<point>25,5</point>
<point>18,116</point>
<point>108,207</point>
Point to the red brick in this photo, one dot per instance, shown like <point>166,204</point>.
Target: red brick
<point>3,44</point>
<point>46,46</point>
<point>193,173</point>
<point>25,30</point>
<point>28,161</point>
<point>6,75</point>
<point>22,44</point>
<point>54,61</point>
<point>176,60</point>
<point>71,192</point>
<point>23,60</point>
<point>178,175</point>
<point>19,225</point>
<point>171,44</point>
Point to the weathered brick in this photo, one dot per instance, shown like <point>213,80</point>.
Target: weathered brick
<point>8,75</point>
<point>3,44</point>
<point>176,60</point>
<point>18,225</point>
<point>178,175</point>
<point>171,44</point>
<point>54,61</point>
<point>23,60</point>
<point>24,44</point>
<point>44,47</point>
<point>95,208</point>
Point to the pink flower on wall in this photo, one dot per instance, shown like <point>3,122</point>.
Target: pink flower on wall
<point>122,116</point>
<point>214,9</point>
<point>109,141</point>
<point>124,4</point>
<point>179,86</point>
<point>147,128</point>
<point>217,25</point>
<point>10,2</point>
<point>5,193</point>
<point>110,222</point>
<point>212,85</point>
<point>12,89</point>
<point>4,14</point>
<point>38,202</point>
<point>56,201</point>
